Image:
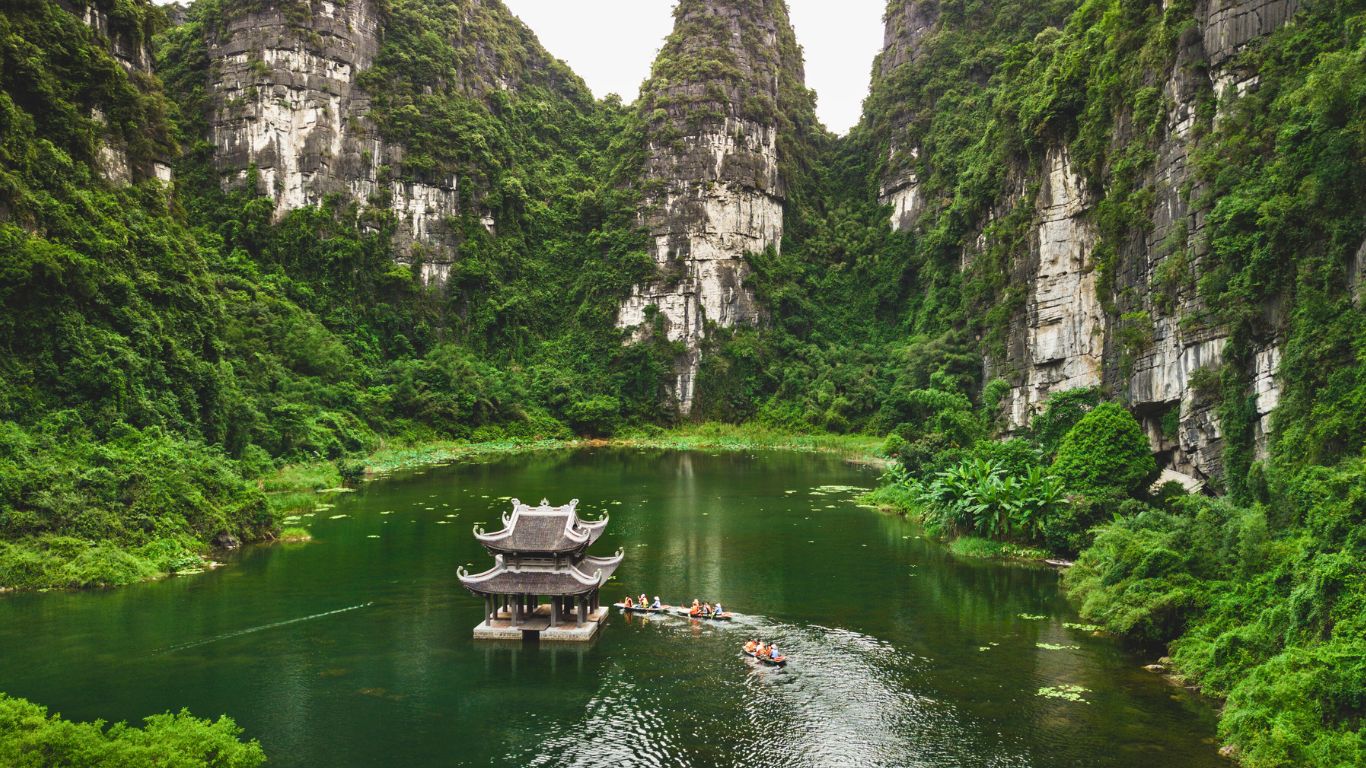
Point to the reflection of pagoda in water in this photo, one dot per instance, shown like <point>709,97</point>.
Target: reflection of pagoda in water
<point>541,553</point>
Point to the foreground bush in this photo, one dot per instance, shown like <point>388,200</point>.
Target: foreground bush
<point>31,738</point>
<point>1273,617</point>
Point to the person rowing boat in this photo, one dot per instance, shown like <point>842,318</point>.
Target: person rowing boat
<point>764,653</point>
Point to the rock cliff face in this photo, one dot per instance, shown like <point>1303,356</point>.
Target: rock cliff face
<point>1156,286</point>
<point>1060,343</point>
<point>129,43</point>
<point>712,181</point>
<point>286,103</point>
<point>1148,336</point>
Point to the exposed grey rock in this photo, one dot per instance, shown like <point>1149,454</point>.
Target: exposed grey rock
<point>908,22</point>
<point>130,48</point>
<point>1356,275</point>
<point>1064,328</point>
<point>286,102</point>
<point>715,190</point>
<point>1063,337</point>
<point>1229,25</point>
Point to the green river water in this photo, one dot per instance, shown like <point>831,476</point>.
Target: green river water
<point>356,649</point>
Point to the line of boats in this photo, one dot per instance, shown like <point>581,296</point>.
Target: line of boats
<point>678,610</point>
<point>698,613</point>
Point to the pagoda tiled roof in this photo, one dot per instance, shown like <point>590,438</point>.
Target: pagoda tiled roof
<point>539,577</point>
<point>542,529</point>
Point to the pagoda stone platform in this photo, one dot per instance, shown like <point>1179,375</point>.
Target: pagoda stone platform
<point>538,626</point>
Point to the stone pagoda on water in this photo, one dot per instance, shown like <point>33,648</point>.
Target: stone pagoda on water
<point>541,555</point>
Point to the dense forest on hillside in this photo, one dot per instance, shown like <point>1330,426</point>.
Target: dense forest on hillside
<point>168,347</point>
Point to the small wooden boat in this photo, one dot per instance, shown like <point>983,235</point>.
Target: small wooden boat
<point>638,609</point>
<point>781,661</point>
<point>727,616</point>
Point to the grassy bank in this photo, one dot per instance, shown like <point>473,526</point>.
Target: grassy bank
<point>696,437</point>
<point>275,503</point>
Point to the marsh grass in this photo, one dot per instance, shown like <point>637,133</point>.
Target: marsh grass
<point>990,549</point>
<point>294,534</point>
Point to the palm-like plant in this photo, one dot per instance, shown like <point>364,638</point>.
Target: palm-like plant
<point>981,496</point>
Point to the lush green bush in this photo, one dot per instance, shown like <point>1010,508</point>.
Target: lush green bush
<point>1061,412</point>
<point>31,738</point>
<point>1273,617</point>
<point>1105,454</point>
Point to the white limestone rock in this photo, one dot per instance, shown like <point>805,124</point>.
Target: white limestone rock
<point>1065,325</point>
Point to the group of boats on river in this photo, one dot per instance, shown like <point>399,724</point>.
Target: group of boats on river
<point>766,653</point>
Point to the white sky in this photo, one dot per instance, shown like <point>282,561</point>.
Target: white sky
<point>611,44</point>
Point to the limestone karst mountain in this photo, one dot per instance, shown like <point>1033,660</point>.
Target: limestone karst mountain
<point>727,84</point>
<point>1067,239</point>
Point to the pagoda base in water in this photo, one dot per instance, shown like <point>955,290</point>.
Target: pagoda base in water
<point>538,625</point>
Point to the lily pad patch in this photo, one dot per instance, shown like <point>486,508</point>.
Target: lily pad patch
<point>1083,627</point>
<point>1066,692</point>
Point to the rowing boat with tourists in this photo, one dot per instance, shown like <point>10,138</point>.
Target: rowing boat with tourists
<point>698,610</point>
<point>765,653</point>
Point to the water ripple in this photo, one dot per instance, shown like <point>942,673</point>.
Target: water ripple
<point>845,699</point>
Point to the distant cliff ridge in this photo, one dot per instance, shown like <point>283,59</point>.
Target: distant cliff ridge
<point>289,102</point>
<point>1086,307</point>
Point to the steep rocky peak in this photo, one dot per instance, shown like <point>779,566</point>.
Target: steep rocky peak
<point>725,96</point>
<point>907,23</point>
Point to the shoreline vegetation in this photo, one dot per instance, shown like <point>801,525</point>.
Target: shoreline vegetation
<point>31,736</point>
<point>301,488</point>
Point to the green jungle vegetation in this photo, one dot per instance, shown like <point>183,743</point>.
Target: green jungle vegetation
<point>31,738</point>
<point>179,368</point>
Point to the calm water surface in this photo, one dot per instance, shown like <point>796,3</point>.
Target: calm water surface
<point>355,650</point>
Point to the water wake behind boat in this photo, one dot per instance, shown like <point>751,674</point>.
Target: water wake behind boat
<point>262,628</point>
